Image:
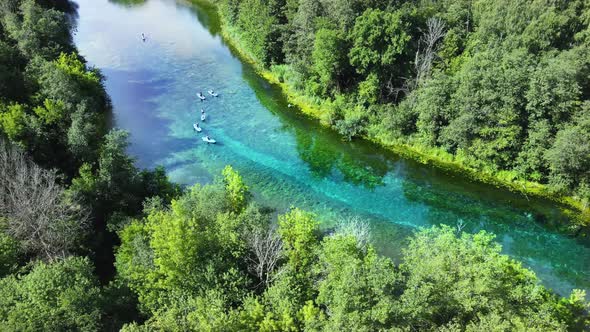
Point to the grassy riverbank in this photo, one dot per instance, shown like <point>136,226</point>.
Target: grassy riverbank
<point>576,210</point>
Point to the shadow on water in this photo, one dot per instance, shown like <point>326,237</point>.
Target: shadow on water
<point>134,93</point>
<point>323,150</point>
<point>526,227</point>
<point>364,163</point>
<point>205,14</point>
<point>288,158</point>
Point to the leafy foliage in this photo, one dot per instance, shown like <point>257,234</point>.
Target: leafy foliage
<point>188,264</point>
<point>9,254</point>
<point>236,189</point>
<point>490,82</point>
<point>62,178</point>
<point>507,90</point>
<point>55,297</point>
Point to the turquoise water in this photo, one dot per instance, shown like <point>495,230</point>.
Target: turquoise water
<point>286,158</point>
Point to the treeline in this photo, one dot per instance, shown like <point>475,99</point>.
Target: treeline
<point>215,261</point>
<point>208,258</point>
<point>499,86</point>
<point>53,116</point>
<point>66,182</point>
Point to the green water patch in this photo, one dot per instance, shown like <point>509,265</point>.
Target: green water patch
<point>578,220</point>
<point>287,158</point>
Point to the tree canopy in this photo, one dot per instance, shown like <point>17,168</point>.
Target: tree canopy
<point>88,241</point>
<point>496,85</point>
<point>194,266</point>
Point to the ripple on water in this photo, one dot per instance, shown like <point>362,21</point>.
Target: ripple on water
<point>287,159</point>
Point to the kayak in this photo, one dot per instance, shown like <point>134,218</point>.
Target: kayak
<point>209,140</point>
<point>201,96</point>
<point>197,128</point>
<point>203,117</point>
<point>213,93</point>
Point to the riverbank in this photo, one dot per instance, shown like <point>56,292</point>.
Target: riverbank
<point>578,213</point>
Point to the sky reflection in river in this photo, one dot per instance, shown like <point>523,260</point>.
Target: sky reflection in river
<point>286,158</point>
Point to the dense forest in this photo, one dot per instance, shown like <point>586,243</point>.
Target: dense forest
<point>500,87</point>
<point>90,242</point>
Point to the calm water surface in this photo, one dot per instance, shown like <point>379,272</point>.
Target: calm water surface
<point>287,159</point>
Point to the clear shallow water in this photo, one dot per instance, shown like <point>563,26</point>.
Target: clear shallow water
<point>287,159</point>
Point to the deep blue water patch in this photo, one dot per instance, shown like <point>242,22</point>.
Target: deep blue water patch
<point>285,157</point>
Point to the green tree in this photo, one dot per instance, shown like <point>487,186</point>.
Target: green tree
<point>51,297</point>
<point>370,89</point>
<point>51,112</point>
<point>117,174</point>
<point>554,90</point>
<point>192,248</point>
<point>460,279</point>
<point>68,80</point>
<point>357,287</point>
<point>13,121</point>
<point>569,157</point>
<point>432,107</point>
<point>11,77</point>
<point>83,135</point>
<point>235,188</point>
<point>329,58</point>
<point>260,30</point>
<point>39,31</point>
<point>534,25</point>
<point>378,39</point>
<point>300,41</point>
<point>300,234</point>
<point>489,107</point>
<point>9,253</point>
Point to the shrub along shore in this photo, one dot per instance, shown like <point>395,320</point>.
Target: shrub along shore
<point>573,204</point>
<point>90,242</point>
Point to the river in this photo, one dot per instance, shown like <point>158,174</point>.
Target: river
<point>286,158</point>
